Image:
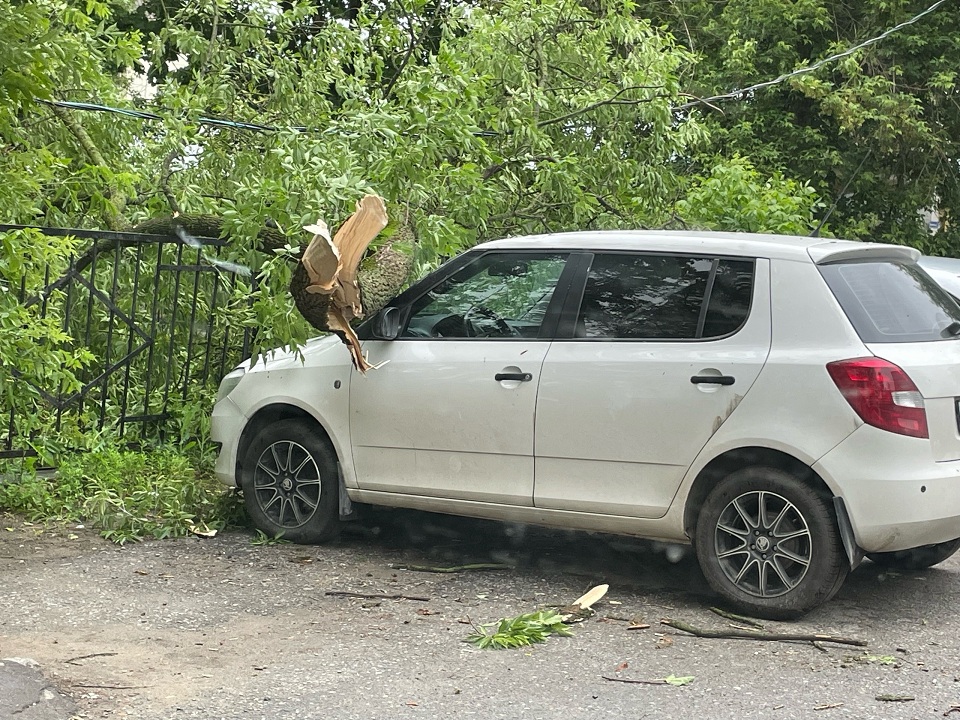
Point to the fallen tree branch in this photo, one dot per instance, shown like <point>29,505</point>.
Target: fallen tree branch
<point>635,682</point>
<point>737,618</point>
<point>375,596</point>
<point>452,568</point>
<point>750,635</point>
<point>116,201</point>
<point>73,660</point>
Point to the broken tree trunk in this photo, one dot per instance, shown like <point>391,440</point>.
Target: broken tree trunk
<point>325,285</point>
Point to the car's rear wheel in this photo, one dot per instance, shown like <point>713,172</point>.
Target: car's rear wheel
<point>917,558</point>
<point>289,480</point>
<point>769,544</point>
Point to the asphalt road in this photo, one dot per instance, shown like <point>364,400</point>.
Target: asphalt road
<point>224,629</point>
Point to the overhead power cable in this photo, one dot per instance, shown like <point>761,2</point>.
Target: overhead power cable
<point>220,122</point>
<point>816,66</point>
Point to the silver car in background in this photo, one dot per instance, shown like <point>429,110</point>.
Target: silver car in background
<point>946,271</point>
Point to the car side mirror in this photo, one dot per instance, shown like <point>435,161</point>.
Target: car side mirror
<point>386,326</point>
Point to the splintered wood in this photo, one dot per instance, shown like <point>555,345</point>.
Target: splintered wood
<point>330,296</point>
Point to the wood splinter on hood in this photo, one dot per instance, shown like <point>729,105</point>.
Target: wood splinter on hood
<point>324,285</point>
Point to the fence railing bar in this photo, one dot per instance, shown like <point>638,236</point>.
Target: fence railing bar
<point>154,311</point>
<point>211,315</point>
<point>109,349</point>
<point>125,396</point>
<point>191,335</point>
<point>114,308</point>
<point>82,392</point>
<point>173,328</point>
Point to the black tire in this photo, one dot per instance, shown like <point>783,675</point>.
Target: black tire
<point>778,564</point>
<point>917,558</point>
<point>290,485</point>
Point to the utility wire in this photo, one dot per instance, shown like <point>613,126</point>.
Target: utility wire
<point>816,66</point>
<point>220,122</point>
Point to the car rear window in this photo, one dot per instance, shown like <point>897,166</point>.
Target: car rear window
<point>891,302</point>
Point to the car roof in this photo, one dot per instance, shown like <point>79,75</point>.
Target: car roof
<point>786,247</point>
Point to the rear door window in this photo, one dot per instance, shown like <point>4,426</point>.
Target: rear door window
<point>664,297</point>
<point>891,302</point>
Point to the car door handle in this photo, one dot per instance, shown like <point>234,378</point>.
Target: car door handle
<point>522,377</point>
<point>713,379</point>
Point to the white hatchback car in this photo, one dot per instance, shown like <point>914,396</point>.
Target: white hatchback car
<point>785,404</point>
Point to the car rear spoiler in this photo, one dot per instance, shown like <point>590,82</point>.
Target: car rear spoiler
<point>839,252</point>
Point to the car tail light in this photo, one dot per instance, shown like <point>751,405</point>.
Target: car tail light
<point>882,395</point>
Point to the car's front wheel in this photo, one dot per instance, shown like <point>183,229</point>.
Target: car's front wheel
<point>289,480</point>
<point>918,558</point>
<point>769,544</point>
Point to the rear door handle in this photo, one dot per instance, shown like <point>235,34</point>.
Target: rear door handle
<point>522,377</point>
<point>713,379</point>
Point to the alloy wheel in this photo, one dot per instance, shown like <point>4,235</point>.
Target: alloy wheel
<point>763,544</point>
<point>286,483</point>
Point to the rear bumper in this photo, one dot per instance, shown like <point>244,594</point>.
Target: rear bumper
<point>897,497</point>
<point>226,425</point>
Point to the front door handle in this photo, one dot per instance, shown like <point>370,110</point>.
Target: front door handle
<point>713,379</point>
<point>522,377</point>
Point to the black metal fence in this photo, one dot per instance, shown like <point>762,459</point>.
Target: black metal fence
<point>152,310</point>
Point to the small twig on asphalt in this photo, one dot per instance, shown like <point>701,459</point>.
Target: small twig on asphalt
<point>452,568</point>
<point>895,698</point>
<point>376,596</point>
<point>737,618</point>
<point>831,706</point>
<point>109,687</point>
<point>73,660</point>
<point>952,709</point>
<point>750,635</point>
<point>635,682</point>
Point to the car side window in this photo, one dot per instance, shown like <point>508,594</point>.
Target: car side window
<point>664,297</point>
<point>499,295</point>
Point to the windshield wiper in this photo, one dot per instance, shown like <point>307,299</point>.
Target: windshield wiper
<point>951,330</point>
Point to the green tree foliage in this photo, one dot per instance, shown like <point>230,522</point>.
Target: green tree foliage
<point>736,197</point>
<point>891,106</point>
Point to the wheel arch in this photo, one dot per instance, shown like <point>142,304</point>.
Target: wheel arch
<point>274,412</point>
<point>731,460</point>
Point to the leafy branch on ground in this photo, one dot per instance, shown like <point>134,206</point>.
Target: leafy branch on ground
<point>261,538</point>
<point>519,631</point>
<point>126,495</point>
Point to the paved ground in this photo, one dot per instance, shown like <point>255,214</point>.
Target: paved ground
<point>223,629</point>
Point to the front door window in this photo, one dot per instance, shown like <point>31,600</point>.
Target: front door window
<point>499,295</point>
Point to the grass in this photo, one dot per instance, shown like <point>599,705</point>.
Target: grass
<point>126,495</point>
